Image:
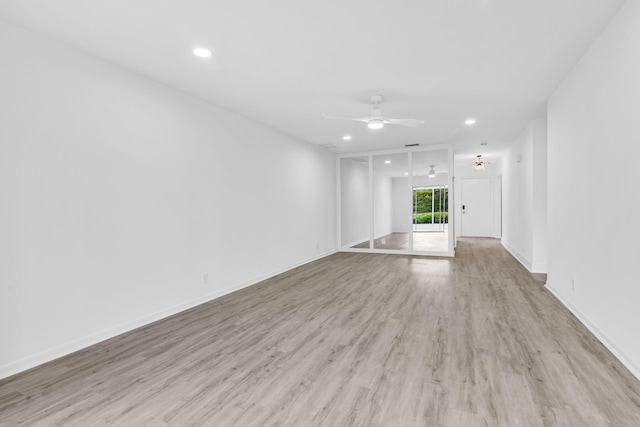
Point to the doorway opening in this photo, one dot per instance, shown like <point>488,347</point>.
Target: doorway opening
<point>431,218</point>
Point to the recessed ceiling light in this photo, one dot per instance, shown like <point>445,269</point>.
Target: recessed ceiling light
<point>347,137</point>
<point>202,52</point>
<point>406,173</point>
<point>387,161</point>
<point>470,122</point>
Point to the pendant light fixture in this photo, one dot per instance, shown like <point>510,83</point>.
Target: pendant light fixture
<point>432,172</point>
<point>479,163</point>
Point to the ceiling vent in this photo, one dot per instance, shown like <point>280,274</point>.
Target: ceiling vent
<point>328,146</point>
<point>360,159</point>
<point>411,145</point>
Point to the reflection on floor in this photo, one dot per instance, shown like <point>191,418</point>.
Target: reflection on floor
<point>422,241</point>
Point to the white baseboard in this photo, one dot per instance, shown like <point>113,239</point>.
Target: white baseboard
<point>539,267</point>
<point>357,242</point>
<point>629,363</point>
<point>58,351</point>
<point>517,255</point>
<point>352,244</point>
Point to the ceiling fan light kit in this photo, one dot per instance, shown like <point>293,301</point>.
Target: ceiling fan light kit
<point>375,124</point>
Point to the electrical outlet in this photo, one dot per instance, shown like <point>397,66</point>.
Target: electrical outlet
<point>317,245</point>
<point>384,241</point>
<point>205,278</point>
<point>573,285</point>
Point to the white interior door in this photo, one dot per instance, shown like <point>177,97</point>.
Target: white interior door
<point>476,207</point>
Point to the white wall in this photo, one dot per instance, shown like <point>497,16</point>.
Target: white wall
<point>425,181</point>
<point>594,147</point>
<point>382,204</point>
<point>117,193</point>
<point>516,172</point>
<point>355,203</point>
<point>401,205</point>
<point>539,195</point>
<point>524,197</point>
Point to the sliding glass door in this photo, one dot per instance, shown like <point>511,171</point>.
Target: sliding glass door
<point>390,189</point>
<point>430,197</point>
<point>430,207</point>
<point>355,202</point>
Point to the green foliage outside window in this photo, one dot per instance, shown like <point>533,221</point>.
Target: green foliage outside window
<point>426,201</point>
<point>426,218</point>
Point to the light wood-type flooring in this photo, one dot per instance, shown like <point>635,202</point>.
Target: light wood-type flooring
<point>350,340</point>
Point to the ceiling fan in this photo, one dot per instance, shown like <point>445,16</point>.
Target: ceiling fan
<point>376,120</point>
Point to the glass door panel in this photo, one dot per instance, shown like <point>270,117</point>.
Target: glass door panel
<point>391,202</point>
<point>355,202</point>
<point>430,201</point>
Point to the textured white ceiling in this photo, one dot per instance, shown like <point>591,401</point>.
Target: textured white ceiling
<point>285,62</point>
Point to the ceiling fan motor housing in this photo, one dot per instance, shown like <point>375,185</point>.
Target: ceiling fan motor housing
<point>376,111</point>
<point>376,99</point>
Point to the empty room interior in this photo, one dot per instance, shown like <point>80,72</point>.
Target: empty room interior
<point>287,213</point>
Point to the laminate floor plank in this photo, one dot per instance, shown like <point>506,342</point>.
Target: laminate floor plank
<point>350,340</point>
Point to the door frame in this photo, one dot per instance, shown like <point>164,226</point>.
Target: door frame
<point>498,207</point>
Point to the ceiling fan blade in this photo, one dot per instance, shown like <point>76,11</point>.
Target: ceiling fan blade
<point>360,119</point>
<point>404,122</point>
